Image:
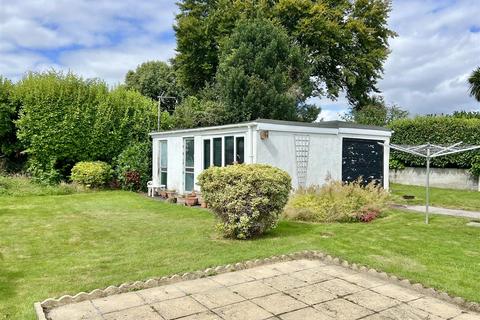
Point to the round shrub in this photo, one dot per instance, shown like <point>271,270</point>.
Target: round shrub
<point>133,166</point>
<point>92,174</point>
<point>247,198</point>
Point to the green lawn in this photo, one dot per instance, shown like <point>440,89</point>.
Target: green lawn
<point>63,244</point>
<point>447,198</point>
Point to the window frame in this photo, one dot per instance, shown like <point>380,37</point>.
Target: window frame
<point>222,136</point>
<point>190,169</point>
<point>161,169</point>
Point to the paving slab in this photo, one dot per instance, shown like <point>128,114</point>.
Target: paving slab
<point>342,309</point>
<point>294,290</point>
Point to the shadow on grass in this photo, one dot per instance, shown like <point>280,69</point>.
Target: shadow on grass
<point>287,229</point>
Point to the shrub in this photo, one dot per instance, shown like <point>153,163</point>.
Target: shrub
<point>475,169</point>
<point>133,166</point>
<point>248,199</point>
<point>337,202</point>
<point>396,164</point>
<point>65,119</point>
<point>92,174</point>
<point>437,130</point>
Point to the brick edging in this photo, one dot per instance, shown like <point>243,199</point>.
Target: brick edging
<point>41,308</point>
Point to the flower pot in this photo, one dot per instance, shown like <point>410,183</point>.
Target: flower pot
<point>191,201</point>
<point>163,193</point>
<point>171,194</point>
<point>204,204</point>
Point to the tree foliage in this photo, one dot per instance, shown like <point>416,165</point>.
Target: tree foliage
<point>199,112</point>
<point>9,109</point>
<point>155,78</point>
<point>474,82</point>
<point>66,119</point>
<point>346,41</point>
<point>375,112</point>
<point>262,74</point>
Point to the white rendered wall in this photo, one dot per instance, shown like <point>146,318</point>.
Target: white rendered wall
<point>325,155</point>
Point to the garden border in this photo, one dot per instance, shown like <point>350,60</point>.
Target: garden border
<point>42,308</point>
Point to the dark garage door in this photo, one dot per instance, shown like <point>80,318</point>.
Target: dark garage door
<point>362,158</point>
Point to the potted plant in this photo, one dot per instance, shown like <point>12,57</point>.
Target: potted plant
<point>191,199</point>
<point>171,193</point>
<point>163,193</point>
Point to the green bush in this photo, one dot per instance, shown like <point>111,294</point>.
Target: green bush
<point>65,119</point>
<point>92,174</point>
<point>248,199</point>
<point>475,169</point>
<point>133,166</point>
<point>337,202</point>
<point>437,130</point>
<point>396,164</point>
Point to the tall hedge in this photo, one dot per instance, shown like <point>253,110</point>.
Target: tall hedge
<point>438,130</point>
<point>65,119</point>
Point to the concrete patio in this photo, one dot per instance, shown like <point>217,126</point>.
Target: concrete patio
<point>293,290</point>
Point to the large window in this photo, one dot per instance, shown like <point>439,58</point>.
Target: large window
<point>163,163</point>
<point>189,163</point>
<point>223,151</point>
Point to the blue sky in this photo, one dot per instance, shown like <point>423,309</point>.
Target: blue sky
<point>437,47</point>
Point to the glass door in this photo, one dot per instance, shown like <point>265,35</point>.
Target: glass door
<point>189,150</point>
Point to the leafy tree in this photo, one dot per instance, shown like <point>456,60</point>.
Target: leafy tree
<point>9,109</point>
<point>199,112</point>
<point>155,78</point>
<point>346,41</point>
<point>375,112</point>
<point>262,74</point>
<point>474,81</point>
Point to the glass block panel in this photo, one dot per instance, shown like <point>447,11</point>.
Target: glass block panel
<point>240,156</point>
<point>217,152</point>
<point>206,154</point>
<point>189,152</point>
<point>229,156</point>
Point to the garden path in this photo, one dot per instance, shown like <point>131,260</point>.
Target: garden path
<point>445,211</point>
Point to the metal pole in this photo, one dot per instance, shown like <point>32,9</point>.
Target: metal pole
<point>159,112</point>
<point>427,186</point>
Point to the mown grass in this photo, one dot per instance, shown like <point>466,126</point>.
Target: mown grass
<point>64,244</point>
<point>447,198</point>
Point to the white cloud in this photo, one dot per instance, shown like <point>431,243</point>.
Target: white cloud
<point>432,56</point>
<point>94,38</point>
<point>112,63</point>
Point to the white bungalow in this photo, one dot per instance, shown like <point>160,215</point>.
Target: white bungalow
<point>309,152</point>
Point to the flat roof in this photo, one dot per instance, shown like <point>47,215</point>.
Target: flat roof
<point>336,124</point>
